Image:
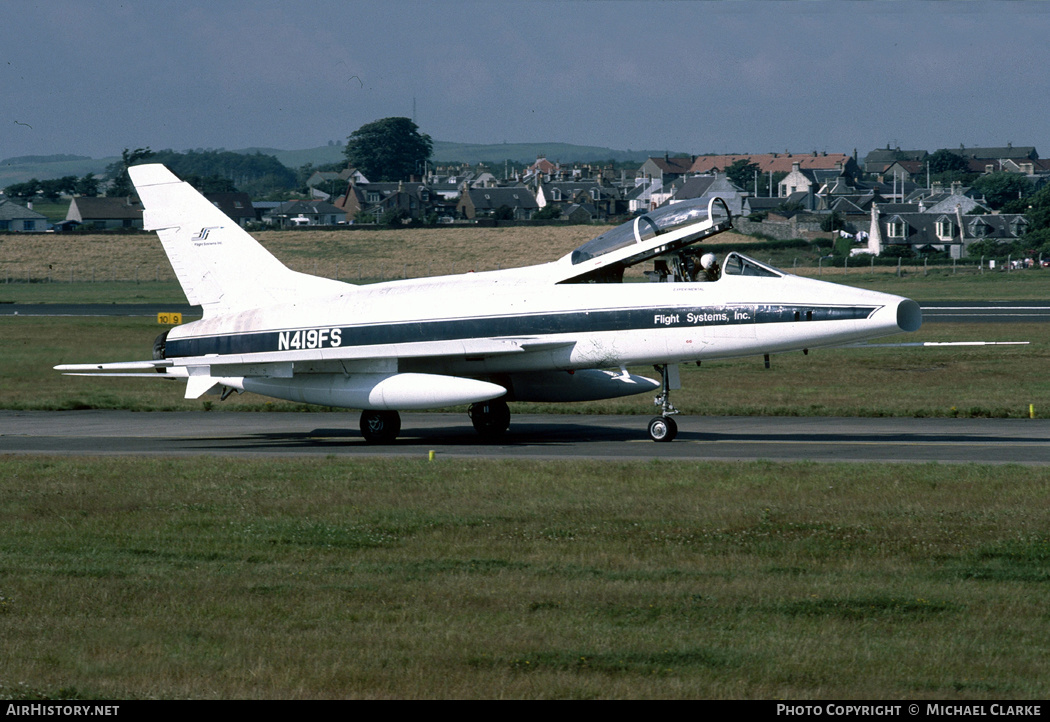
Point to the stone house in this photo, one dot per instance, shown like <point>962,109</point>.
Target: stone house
<point>482,202</point>
<point>20,219</point>
<point>106,213</point>
<point>903,224</point>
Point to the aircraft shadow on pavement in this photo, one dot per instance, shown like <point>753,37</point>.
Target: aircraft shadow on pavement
<point>519,435</point>
<point>554,434</point>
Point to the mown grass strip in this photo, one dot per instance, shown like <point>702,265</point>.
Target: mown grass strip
<point>207,577</point>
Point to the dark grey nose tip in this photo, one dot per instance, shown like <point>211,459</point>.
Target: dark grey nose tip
<point>909,315</point>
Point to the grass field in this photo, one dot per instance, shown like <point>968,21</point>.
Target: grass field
<point>93,266</point>
<point>147,577</point>
<point>213,578</point>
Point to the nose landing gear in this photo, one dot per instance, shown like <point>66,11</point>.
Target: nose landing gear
<point>663,427</point>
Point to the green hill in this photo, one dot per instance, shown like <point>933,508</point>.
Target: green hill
<point>448,152</point>
<point>564,153</point>
<point>20,170</point>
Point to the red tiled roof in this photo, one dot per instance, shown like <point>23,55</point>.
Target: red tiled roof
<point>773,161</point>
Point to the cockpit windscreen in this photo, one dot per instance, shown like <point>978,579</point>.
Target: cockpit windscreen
<point>738,265</point>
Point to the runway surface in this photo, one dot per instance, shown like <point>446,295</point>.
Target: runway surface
<point>262,435</point>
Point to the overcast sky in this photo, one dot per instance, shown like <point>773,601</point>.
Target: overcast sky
<point>91,78</point>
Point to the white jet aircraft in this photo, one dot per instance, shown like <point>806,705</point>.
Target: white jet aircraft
<point>561,331</point>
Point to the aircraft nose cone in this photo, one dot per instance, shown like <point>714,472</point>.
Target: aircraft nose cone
<point>909,315</point>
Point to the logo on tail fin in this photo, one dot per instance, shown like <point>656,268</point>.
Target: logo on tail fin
<point>201,239</point>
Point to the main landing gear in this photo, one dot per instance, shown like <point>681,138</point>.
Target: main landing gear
<point>380,427</point>
<point>663,427</point>
<point>490,418</point>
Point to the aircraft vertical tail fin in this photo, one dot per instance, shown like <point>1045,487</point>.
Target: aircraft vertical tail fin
<point>218,264</point>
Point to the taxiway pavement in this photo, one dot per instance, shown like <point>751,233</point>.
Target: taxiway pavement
<point>531,436</point>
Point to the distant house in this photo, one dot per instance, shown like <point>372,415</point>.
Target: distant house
<point>579,213</point>
<point>1022,152</point>
<point>781,162</point>
<point>666,169</point>
<point>20,219</point>
<point>605,200</point>
<point>903,224</point>
<point>706,187</point>
<point>810,180</point>
<point>946,202</point>
<point>480,202</point>
<point>325,178</point>
<point>106,213</point>
<point>305,213</point>
<point>412,199</point>
<point>238,206</point>
<point>905,170</point>
<point>878,160</point>
<point>542,167</point>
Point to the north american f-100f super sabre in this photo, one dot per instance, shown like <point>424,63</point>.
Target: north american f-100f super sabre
<point>561,331</point>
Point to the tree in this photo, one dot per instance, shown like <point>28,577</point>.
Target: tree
<point>1038,213</point>
<point>1000,188</point>
<point>944,160</point>
<point>55,187</point>
<point>390,149</point>
<point>789,208</point>
<point>741,173</point>
<point>23,190</point>
<point>118,172</point>
<point>832,222</point>
<point>88,185</point>
<point>551,211</point>
<point>219,170</point>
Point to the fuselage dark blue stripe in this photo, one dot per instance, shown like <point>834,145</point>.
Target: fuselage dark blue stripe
<point>520,325</point>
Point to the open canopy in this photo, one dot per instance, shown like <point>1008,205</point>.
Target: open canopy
<point>663,230</point>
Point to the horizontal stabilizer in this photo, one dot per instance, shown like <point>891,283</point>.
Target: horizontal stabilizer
<point>116,366</point>
<point>133,375</point>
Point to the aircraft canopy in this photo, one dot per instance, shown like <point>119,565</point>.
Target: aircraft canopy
<point>642,228</point>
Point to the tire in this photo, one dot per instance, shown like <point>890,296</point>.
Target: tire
<point>380,427</point>
<point>662,428</point>
<point>490,418</point>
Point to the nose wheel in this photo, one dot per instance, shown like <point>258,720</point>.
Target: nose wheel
<point>663,427</point>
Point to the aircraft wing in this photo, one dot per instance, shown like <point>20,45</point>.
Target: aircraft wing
<point>203,372</point>
<point>931,344</point>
